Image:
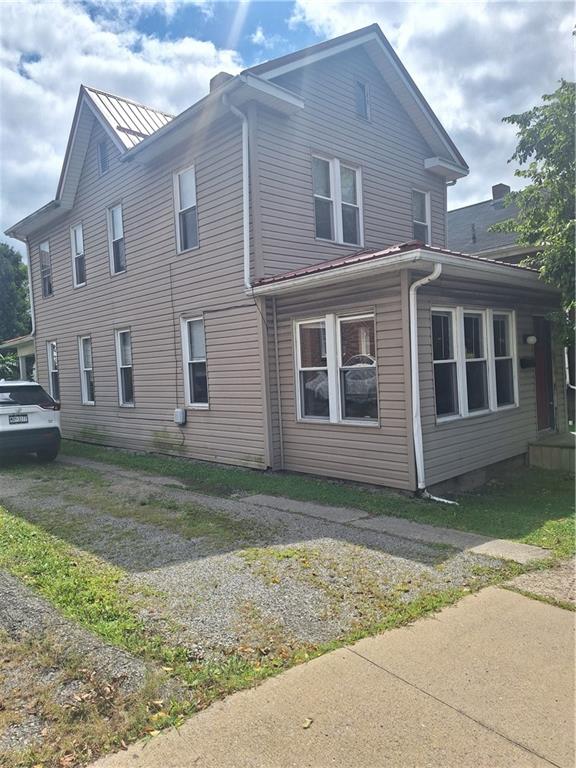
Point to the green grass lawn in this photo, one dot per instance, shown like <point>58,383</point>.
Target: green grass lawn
<point>527,504</point>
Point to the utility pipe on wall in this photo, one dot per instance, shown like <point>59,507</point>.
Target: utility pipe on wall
<point>245,188</point>
<point>415,381</point>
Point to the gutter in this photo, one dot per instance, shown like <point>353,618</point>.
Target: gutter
<point>245,189</point>
<point>415,384</point>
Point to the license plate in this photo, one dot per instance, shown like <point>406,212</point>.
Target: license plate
<point>18,419</point>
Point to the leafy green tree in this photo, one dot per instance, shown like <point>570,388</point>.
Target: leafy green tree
<point>14,304</point>
<point>546,152</point>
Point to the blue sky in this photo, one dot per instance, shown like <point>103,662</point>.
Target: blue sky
<point>475,62</point>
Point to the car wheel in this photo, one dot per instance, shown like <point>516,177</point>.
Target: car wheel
<point>48,454</point>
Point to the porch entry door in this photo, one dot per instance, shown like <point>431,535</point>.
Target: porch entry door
<point>544,376</point>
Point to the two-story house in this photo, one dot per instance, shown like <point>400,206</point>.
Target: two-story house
<point>262,280</point>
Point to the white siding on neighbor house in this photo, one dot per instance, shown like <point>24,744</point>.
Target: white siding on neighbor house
<point>379,454</point>
<point>462,445</point>
<point>158,287</point>
<point>388,148</point>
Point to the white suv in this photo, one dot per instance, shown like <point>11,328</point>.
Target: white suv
<point>29,420</point>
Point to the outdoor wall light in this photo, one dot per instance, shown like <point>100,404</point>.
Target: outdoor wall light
<point>531,340</point>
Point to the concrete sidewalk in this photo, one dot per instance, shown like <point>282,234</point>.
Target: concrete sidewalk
<point>487,683</point>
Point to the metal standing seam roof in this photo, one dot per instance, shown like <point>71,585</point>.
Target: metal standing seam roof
<point>130,121</point>
<point>373,254</point>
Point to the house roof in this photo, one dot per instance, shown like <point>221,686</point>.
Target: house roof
<point>412,254</point>
<point>130,121</point>
<point>394,71</point>
<point>467,227</point>
<point>373,254</point>
<point>16,341</point>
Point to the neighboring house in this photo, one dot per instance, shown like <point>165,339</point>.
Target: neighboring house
<point>23,346</point>
<point>263,280</point>
<point>468,229</point>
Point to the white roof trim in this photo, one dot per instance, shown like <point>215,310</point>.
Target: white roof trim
<point>421,256</point>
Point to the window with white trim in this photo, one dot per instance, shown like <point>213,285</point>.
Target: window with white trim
<point>186,209</point>
<point>78,258</point>
<point>124,368</point>
<point>421,216</point>
<point>46,269</point>
<point>361,99</point>
<point>474,359</point>
<point>194,357</point>
<point>116,240</point>
<point>86,370</point>
<point>102,155</point>
<point>336,368</point>
<point>475,356</point>
<point>503,359</point>
<point>445,365</point>
<point>53,370</point>
<point>337,201</point>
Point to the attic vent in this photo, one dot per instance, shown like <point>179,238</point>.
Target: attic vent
<point>131,131</point>
<point>218,80</point>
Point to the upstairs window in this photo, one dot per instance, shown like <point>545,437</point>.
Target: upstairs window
<point>86,370</point>
<point>116,240</point>
<point>194,353</point>
<point>361,99</point>
<point>421,216</point>
<point>102,155</point>
<point>186,213</point>
<point>337,201</point>
<point>46,269</point>
<point>53,370</point>
<point>78,260</point>
<point>124,368</point>
<point>474,355</point>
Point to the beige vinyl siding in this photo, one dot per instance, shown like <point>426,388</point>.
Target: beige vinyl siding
<point>159,287</point>
<point>462,445</point>
<point>374,454</point>
<point>388,149</point>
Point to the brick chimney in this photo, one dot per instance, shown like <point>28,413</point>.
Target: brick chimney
<point>218,80</point>
<point>499,191</point>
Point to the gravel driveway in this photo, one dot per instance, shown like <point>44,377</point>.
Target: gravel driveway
<point>263,576</point>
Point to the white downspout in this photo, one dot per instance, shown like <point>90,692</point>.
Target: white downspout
<point>415,377</point>
<point>245,188</point>
<point>30,291</point>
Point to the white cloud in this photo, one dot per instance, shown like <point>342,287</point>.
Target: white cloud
<point>262,40</point>
<point>46,51</point>
<point>474,63</point>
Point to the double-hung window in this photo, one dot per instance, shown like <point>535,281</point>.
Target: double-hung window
<point>474,361</point>
<point>186,211</point>
<point>78,258</point>
<point>337,201</point>
<point>46,269</point>
<point>336,368</point>
<point>504,379</point>
<point>53,370</point>
<point>445,365</point>
<point>194,356</point>
<point>124,368</point>
<point>86,370</point>
<point>421,216</point>
<point>116,240</point>
<point>475,357</point>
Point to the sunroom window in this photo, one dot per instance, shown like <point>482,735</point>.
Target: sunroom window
<point>474,361</point>
<point>313,370</point>
<point>336,359</point>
